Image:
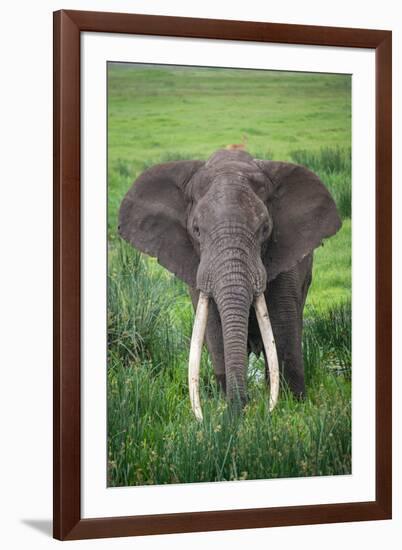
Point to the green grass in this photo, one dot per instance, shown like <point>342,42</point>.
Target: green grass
<point>160,114</point>
<point>332,274</point>
<point>154,438</point>
<point>172,113</point>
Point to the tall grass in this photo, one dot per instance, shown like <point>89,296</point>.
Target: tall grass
<point>153,437</point>
<point>327,340</point>
<point>142,299</point>
<point>326,160</point>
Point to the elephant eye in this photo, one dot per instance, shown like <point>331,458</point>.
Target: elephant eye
<point>265,230</point>
<point>196,230</point>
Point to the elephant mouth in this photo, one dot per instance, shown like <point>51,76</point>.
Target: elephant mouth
<point>197,340</point>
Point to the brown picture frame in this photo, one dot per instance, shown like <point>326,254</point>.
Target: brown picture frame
<point>68,26</point>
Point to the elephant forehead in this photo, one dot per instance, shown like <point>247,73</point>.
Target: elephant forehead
<point>227,175</point>
<point>234,201</point>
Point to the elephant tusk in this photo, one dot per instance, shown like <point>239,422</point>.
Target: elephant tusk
<point>197,340</point>
<point>270,347</point>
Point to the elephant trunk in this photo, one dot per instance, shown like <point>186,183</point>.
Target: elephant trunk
<point>235,350</point>
<point>233,276</point>
<point>233,299</point>
<point>233,303</point>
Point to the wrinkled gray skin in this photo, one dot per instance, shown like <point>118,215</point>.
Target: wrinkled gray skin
<point>235,227</point>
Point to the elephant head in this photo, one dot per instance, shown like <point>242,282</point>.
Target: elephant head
<point>227,227</point>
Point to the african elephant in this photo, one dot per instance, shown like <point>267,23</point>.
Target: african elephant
<point>239,231</point>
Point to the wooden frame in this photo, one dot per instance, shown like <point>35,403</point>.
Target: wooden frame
<point>67,476</point>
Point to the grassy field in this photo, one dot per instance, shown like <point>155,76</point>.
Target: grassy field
<point>158,114</point>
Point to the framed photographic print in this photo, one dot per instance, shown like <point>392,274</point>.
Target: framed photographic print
<point>222,265</point>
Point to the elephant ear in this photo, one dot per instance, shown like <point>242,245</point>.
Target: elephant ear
<point>303,213</point>
<point>153,217</point>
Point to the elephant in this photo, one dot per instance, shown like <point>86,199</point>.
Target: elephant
<point>241,233</point>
